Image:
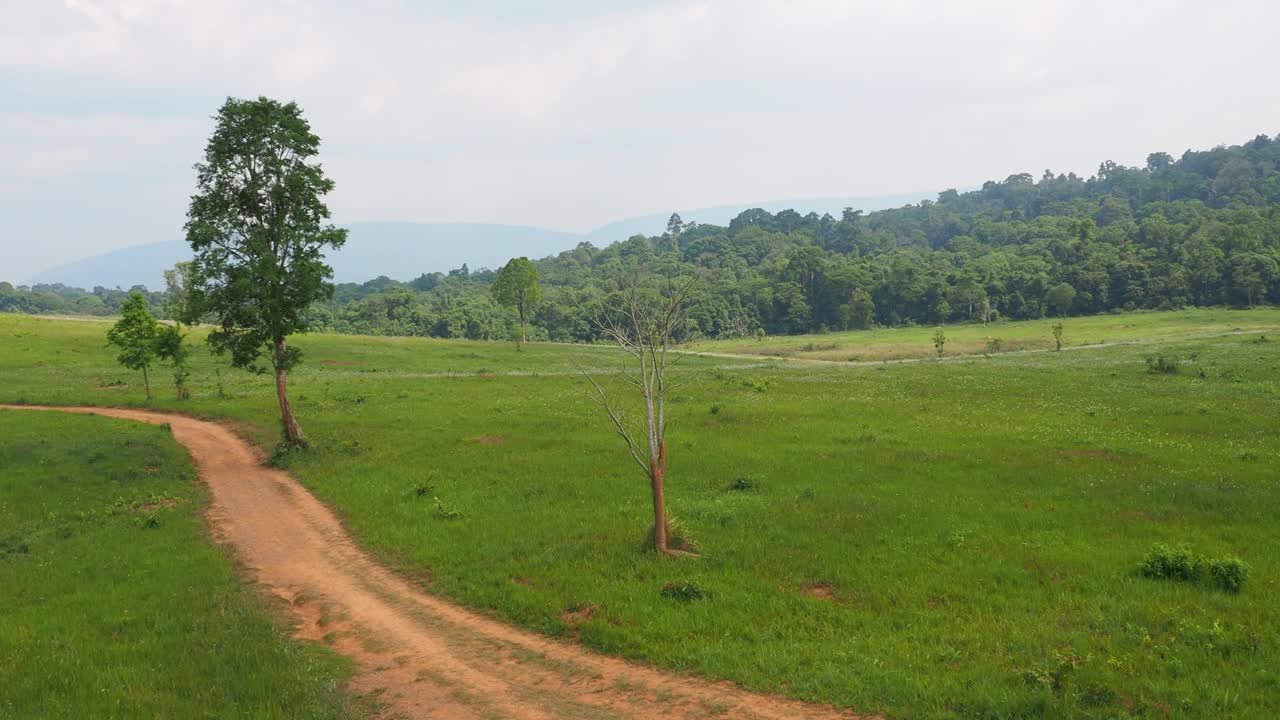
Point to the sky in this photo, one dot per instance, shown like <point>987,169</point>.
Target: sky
<point>568,114</point>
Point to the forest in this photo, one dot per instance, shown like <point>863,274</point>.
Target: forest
<point>1199,230</point>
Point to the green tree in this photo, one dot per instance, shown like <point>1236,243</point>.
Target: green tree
<point>1060,297</point>
<point>517,287</point>
<point>862,309</point>
<point>176,281</point>
<point>675,226</point>
<point>135,334</point>
<point>171,345</point>
<point>939,341</point>
<point>258,227</point>
<point>1057,337</point>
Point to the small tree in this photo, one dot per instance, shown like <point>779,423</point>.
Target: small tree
<point>939,340</point>
<point>171,345</point>
<point>135,334</point>
<point>862,309</point>
<point>517,287</point>
<point>1060,297</point>
<point>257,225</point>
<point>1057,337</point>
<point>646,327</point>
<point>675,226</point>
<point>177,280</point>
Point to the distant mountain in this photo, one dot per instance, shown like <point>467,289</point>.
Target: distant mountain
<point>403,251</point>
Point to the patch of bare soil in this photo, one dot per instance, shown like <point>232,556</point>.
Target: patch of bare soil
<point>418,655</point>
<point>579,614</point>
<point>489,440</point>
<point>821,591</point>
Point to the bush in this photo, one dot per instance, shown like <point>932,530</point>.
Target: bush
<point>281,454</point>
<point>1180,563</point>
<point>741,484</point>
<point>683,591</point>
<point>1162,364</point>
<point>1229,573</point>
<point>1172,563</point>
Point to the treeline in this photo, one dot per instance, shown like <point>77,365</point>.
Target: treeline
<point>59,299</point>
<point>1202,229</point>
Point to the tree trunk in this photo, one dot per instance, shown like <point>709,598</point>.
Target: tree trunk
<point>657,473</point>
<point>292,431</point>
<point>523,338</point>
<point>146,381</point>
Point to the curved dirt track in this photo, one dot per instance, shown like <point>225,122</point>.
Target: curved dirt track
<point>420,656</point>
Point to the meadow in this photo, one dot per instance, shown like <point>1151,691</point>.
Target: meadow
<point>115,601</point>
<point>901,343</point>
<point>930,540</point>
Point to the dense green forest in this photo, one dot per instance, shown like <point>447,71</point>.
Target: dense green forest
<point>1203,229</point>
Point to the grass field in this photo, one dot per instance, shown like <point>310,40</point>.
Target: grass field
<point>116,604</point>
<point>934,540</point>
<point>974,339</point>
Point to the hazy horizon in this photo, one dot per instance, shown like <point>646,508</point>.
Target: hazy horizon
<point>571,114</point>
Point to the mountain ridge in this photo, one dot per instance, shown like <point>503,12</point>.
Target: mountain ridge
<point>404,250</point>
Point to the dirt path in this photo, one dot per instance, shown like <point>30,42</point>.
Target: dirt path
<point>421,656</point>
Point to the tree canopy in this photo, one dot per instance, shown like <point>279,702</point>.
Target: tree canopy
<point>258,227</point>
<point>516,286</point>
<point>136,334</point>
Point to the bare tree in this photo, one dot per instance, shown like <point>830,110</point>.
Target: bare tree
<point>646,326</point>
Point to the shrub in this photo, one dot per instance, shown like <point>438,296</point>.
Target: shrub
<point>1229,573</point>
<point>281,454</point>
<point>741,484</point>
<point>994,344</point>
<point>1180,563</point>
<point>1172,563</point>
<point>715,409</point>
<point>1162,364</point>
<point>14,545</point>
<point>683,591</point>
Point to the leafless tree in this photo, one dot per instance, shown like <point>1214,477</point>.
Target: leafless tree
<point>646,325</point>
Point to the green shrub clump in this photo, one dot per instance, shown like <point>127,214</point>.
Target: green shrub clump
<point>1180,563</point>
<point>683,591</point>
<point>1228,573</point>
<point>1162,364</point>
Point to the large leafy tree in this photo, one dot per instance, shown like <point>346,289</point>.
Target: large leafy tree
<point>136,335</point>
<point>517,286</point>
<point>258,228</point>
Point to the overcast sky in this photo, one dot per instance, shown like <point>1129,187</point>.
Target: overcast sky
<point>571,113</point>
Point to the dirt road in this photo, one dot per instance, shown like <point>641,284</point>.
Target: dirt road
<point>422,657</point>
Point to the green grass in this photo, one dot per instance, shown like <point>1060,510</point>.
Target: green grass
<point>972,339</point>
<point>113,601</point>
<point>936,540</point>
